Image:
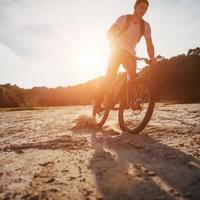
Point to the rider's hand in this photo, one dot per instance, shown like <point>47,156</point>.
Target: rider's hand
<point>153,61</point>
<point>147,61</point>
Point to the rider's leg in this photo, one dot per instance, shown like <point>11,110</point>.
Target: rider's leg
<point>113,65</point>
<point>129,62</point>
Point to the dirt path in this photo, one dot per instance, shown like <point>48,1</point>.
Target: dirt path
<point>44,155</point>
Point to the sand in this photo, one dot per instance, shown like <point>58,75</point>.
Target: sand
<point>59,153</point>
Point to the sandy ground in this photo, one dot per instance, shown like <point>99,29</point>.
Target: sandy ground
<point>57,153</point>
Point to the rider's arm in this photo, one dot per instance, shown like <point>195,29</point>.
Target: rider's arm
<point>150,48</point>
<point>149,43</point>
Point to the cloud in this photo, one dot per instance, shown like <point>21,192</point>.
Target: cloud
<point>21,44</point>
<point>20,33</point>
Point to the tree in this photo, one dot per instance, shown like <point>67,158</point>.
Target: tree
<point>194,52</point>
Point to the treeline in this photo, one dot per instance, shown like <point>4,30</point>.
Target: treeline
<point>175,79</point>
<point>81,94</point>
<point>13,96</point>
<point>178,78</point>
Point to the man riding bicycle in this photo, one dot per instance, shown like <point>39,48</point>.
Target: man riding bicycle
<point>123,36</point>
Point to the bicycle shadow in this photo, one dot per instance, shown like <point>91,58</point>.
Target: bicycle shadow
<point>139,167</point>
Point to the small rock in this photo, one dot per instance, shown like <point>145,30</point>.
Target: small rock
<point>177,194</point>
<point>50,180</point>
<point>53,190</point>
<point>171,190</point>
<point>35,197</point>
<point>193,165</point>
<point>46,163</point>
<point>19,180</point>
<point>87,192</point>
<point>138,175</point>
<point>71,178</point>
<point>151,173</point>
<point>65,170</point>
<point>19,151</point>
<point>36,175</point>
<point>137,166</point>
<point>128,142</point>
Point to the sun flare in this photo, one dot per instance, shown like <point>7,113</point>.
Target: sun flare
<point>90,56</point>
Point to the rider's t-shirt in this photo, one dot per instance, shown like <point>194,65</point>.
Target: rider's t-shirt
<point>129,38</point>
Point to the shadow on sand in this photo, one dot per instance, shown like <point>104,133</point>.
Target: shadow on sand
<point>130,166</point>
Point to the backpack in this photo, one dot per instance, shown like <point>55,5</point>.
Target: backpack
<point>126,26</point>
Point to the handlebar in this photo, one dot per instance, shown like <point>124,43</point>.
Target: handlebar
<point>147,61</point>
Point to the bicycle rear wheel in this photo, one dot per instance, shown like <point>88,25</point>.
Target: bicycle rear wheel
<point>134,115</point>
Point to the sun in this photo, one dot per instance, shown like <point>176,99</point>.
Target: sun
<point>90,56</point>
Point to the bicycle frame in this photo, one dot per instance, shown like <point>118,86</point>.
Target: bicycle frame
<point>126,92</point>
<point>124,88</point>
<point>126,85</point>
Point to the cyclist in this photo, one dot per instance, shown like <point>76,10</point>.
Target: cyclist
<point>123,36</point>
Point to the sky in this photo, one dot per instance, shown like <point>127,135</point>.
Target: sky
<point>55,43</point>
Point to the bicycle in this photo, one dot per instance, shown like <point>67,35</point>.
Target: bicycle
<point>135,100</point>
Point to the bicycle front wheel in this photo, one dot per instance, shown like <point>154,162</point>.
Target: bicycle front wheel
<point>135,114</point>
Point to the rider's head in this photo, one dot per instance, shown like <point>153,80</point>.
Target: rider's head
<point>141,7</point>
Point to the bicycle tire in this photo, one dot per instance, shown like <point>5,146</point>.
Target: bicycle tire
<point>104,117</point>
<point>148,114</point>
